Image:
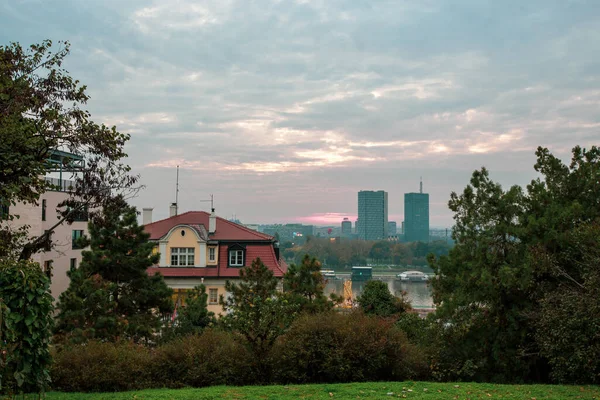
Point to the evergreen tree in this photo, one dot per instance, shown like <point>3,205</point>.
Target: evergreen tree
<point>304,285</point>
<point>258,311</point>
<point>522,260</point>
<point>376,299</point>
<point>111,296</point>
<point>194,316</point>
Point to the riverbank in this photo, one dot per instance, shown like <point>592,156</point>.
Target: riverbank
<point>367,390</point>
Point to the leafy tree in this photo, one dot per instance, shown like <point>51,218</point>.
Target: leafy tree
<point>25,327</point>
<point>40,111</point>
<point>376,299</point>
<point>381,251</point>
<point>256,310</point>
<point>111,295</point>
<point>194,316</point>
<point>304,285</point>
<point>515,252</point>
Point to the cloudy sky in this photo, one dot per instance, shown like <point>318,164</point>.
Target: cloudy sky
<point>285,109</point>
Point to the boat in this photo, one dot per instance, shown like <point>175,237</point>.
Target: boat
<point>413,276</point>
<point>328,273</point>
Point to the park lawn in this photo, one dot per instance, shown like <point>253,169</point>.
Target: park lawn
<point>368,390</point>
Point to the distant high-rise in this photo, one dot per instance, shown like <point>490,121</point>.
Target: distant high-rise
<point>346,227</point>
<point>392,228</point>
<point>372,223</point>
<point>416,216</point>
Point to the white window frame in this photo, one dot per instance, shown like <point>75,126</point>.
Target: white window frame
<point>212,291</point>
<point>236,258</point>
<point>212,254</point>
<point>183,257</point>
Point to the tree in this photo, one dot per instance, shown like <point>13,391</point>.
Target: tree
<point>25,327</point>
<point>376,299</point>
<point>515,251</point>
<point>381,251</point>
<point>304,285</point>
<point>111,296</point>
<point>194,316</point>
<point>256,310</point>
<point>40,112</point>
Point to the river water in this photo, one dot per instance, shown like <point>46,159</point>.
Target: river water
<point>418,293</point>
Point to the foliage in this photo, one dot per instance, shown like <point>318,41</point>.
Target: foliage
<point>194,316</point>
<point>333,347</point>
<point>372,390</point>
<point>212,358</point>
<point>256,310</point>
<point>102,367</point>
<point>513,254</point>
<point>346,252</point>
<point>25,327</point>
<point>568,328</point>
<point>304,285</point>
<point>376,299</point>
<point>111,296</point>
<point>40,111</point>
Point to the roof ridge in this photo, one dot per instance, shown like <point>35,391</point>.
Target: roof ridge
<point>174,216</point>
<point>252,231</point>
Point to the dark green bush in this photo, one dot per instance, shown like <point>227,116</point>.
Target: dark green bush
<point>101,367</point>
<point>333,347</point>
<point>213,358</point>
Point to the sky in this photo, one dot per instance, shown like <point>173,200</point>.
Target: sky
<point>285,109</point>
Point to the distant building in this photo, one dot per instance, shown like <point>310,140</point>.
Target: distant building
<point>392,228</point>
<point>372,221</point>
<point>295,233</point>
<point>346,228</point>
<point>416,216</point>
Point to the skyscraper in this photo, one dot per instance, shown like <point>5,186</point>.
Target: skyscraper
<point>372,223</point>
<point>392,229</point>
<point>416,216</point>
<point>346,228</point>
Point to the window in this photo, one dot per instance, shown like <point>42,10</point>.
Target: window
<point>48,244</point>
<point>236,258</point>
<point>48,268</point>
<point>43,209</point>
<point>75,236</point>
<point>212,254</point>
<point>213,296</point>
<point>73,265</point>
<point>182,256</point>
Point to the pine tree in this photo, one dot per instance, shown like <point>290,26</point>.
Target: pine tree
<point>304,285</point>
<point>111,296</point>
<point>194,316</point>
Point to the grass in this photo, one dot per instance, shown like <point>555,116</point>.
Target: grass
<point>369,390</point>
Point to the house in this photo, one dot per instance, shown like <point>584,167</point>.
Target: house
<point>200,248</point>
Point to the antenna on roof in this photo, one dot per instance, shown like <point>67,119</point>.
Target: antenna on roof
<point>212,203</point>
<point>421,185</point>
<point>177,193</point>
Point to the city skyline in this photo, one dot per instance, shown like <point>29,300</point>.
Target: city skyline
<point>284,110</point>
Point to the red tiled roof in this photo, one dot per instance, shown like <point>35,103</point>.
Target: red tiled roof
<point>225,230</point>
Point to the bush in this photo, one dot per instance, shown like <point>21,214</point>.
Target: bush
<point>333,347</point>
<point>213,358</point>
<point>101,367</point>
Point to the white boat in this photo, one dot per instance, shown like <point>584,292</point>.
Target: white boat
<point>413,276</point>
<point>328,273</point>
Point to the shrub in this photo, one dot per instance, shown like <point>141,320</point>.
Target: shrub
<point>333,347</point>
<point>101,367</point>
<point>213,358</point>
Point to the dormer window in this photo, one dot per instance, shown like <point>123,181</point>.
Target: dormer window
<point>236,255</point>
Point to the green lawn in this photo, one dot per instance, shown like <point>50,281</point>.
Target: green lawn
<point>379,390</point>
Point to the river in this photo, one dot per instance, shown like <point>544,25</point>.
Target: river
<point>418,293</point>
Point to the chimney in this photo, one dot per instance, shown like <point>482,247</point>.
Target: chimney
<point>212,222</point>
<point>173,210</point>
<point>147,216</point>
